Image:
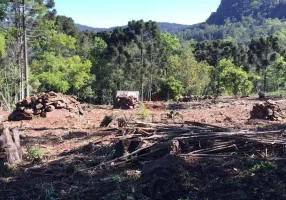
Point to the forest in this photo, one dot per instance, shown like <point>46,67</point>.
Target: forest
<point>42,51</point>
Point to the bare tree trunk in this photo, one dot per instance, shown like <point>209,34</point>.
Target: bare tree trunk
<point>265,82</point>
<point>150,89</point>
<point>26,66</point>
<point>21,73</point>
<point>151,79</point>
<point>142,71</point>
<point>18,13</point>
<point>142,86</point>
<point>142,76</point>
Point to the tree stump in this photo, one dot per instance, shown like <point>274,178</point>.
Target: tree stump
<point>106,121</point>
<point>261,95</point>
<point>10,148</point>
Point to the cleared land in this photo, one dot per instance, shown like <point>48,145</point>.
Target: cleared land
<point>215,152</point>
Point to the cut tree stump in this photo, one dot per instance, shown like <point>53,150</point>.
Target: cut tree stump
<point>106,121</point>
<point>10,148</point>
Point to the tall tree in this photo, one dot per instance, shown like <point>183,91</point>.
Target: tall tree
<point>214,51</point>
<point>194,76</point>
<point>262,52</point>
<point>146,33</point>
<point>26,21</point>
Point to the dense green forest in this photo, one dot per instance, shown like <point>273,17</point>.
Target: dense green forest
<point>234,53</point>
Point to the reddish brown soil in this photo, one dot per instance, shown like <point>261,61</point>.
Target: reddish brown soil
<point>51,132</point>
<point>62,137</point>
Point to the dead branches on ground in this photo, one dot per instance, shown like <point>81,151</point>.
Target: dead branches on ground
<point>192,139</point>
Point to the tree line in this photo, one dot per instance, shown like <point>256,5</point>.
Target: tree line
<point>58,57</point>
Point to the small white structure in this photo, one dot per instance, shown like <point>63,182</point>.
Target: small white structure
<point>127,94</point>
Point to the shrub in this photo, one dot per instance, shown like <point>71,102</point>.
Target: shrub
<point>232,79</point>
<point>170,88</point>
<point>34,153</point>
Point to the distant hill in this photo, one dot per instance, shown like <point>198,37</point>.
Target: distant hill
<point>236,9</point>
<point>164,27</point>
<point>89,28</point>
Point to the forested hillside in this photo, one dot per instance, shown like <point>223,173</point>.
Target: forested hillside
<point>235,10</point>
<point>50,53</point>
<point>240,20</point>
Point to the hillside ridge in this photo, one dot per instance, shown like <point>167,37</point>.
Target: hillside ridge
<point>164,27</point>
<point>235,10</point>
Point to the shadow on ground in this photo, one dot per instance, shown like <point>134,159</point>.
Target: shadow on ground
<point>74,175</point>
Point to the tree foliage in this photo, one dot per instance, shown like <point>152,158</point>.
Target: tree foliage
<point>170,88</point>
<point>203,59</point>
<point>56,73</point>
<point>194,76</point>
<point>2,46</point>
<point>233,79</point>
<point>235,10</point>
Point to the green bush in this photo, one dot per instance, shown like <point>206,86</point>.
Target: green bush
<point>232,79</point>
<point>170,88</point>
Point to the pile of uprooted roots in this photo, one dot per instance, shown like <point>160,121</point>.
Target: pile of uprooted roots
<point>268,110</point>
<point>41,104</point>
<point>129,102</point>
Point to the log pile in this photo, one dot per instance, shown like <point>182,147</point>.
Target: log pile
<point>268,110</point>
<point>129,102</point>
<point>41,104</point>
<point>10,148</point>
<point>194,98</point>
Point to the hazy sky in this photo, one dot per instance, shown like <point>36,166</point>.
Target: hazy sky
<point>108,13</point>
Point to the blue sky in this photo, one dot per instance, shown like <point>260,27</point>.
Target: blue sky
<point>108,13</point>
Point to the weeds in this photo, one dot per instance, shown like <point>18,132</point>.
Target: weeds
<point>50,193</point>
<point>115,177</point>
<point>34,153</point>
<point>263,165</point>
<point>144,112</point>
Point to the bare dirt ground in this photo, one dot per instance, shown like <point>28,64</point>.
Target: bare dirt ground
<point>69,142</point>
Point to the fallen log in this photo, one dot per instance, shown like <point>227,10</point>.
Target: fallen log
<point>213,127</point>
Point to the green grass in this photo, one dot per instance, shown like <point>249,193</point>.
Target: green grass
<point>271,94</point>
<point>276,93</point>
<point>34,153</point>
